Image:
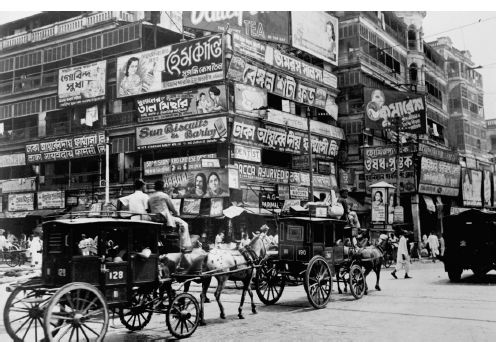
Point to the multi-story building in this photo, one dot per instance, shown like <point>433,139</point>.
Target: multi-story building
<point>491,135</point>
<point>195,106</point>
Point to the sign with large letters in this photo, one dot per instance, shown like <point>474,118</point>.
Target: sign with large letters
<point>51,200</point>
<point>438,177</point>
<point>82,84</point>
<point>21,202</point>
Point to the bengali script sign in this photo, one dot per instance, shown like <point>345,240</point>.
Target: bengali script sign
<point>438,177</point>
<point>161,166</point>
<point>247,46</point>
<point>199,101</point>
<point>380,164</point>
<point>21,202</point>
<point>437,153</point>
<point>51,200</point>
<point>192,132</point>
<point>191,62</point>
<point>18,184</point>
<point>82,84</point>
<point>271,26</point>
<point>204,183</point>
<point>316,33</point>
<point>383,105</point>
<point>14,159</point>
<point>471,187</point>
<point>79,146</point>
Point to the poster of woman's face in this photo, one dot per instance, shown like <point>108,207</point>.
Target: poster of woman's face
<point>378,206</point>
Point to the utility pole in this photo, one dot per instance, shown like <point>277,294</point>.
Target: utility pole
<point>310,158</point>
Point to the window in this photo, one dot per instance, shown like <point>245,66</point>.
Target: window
<point>412,39</point>
<point>26,107</point>
<point>5,112</point>
<point>413,71</point>
<point>7,64</point>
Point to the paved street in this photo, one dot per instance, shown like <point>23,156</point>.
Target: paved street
<point>425,308</point>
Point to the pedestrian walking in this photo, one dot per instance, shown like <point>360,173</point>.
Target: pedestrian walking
<point>433,245</point>
<point>403,258</point>
<point>35,249</point>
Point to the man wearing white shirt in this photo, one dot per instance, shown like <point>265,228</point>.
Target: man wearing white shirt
<point>137,202</point>
<point>402,258</point>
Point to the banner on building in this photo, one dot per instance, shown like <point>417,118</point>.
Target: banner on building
<point>14,159</point>
<point>172,105</point>
<point>192,62</point>
<point>439,177</point>
<point>270,26</point>
<point>192,132</point>
<point>51,200</point>
<point>487,188</point>
<point>161,166</point>
<point>82,84</point>
<point>79,146</point>
<point>249,47</point>
<point>471,187</point>
<point>316,33</point>
<point>383,105</point>
<point>380,164</point>
<point>248,99</point>
<point>204,183</point>
<point>21,202</point>
<point>437,153</point>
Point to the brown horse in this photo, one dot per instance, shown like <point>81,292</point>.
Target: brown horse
<point>371,258</point>
<point>240,263</point>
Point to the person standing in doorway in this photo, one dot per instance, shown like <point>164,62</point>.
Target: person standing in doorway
<point>402,258</point>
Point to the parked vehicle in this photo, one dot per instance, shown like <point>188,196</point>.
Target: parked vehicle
<point>470,239</point>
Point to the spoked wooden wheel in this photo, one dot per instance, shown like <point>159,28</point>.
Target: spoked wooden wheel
<point>23,314</point>
<point>139,312</point>
<point>183,315</point>
<point>318,282</point>
<point>269,283</point>
<point>357,281</point>
<point>77,312</point>
<point>12,258</point>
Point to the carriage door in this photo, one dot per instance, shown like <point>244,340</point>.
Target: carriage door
<point>56,254</point>
<point>317,238</point>
<point>115,269</point>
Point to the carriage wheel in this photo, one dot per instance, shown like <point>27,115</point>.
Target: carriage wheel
<point>318,282</point>
<point>139,312</point>
<point>77,311</point>
<point>357,281</point>
<point>269,283</point>
<point>12,259</point>
<point>23,314</point>
<point>183,315</point>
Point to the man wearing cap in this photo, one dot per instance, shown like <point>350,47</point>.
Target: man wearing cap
<point>137,202</point>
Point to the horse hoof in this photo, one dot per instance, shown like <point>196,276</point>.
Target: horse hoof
<point>340,292</point>
<point>241,317</point>
<point>206,300</point>
<point>254,311</point>
<point>377,288</point>
<point>202,323</point>
<point>365,293</point>
<point>222,316</point>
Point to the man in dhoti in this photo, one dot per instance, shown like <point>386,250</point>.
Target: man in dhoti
<point>402,258</point>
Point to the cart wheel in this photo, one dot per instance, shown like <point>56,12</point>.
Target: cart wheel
<point>139,312</point>
<point>269,283</point>
<point>318,282</point>
<point>23,314</point>
<point>183,315</point>
<point>12,259</point>
<point>357,281</point>
<point>77,311</point>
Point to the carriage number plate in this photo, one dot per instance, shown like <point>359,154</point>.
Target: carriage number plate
<point>61,272</point>
<point>114,275</point>
<point>302,252</point>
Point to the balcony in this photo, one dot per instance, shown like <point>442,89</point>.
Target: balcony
<point>122,119</point>
<point>67,26</point>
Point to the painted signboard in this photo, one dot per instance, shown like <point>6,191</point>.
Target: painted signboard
<point>316,33</point>
<point>18,184</point>
<point>14,159</point>
<point>270,26</point>
<point>171,105</point>
<point>438,177</point>
<point>157,167</point>
<point>204,183</point>
<point>247,46</point>
<point>380,164</point>
<point>249,99</point>
<point>383,105</point>
<point>247,153</point>
<point>379,202</point>
<point>471,187</point>
<point>78,146</point>
<point>21,202</point>
<point>178,65</point>
<point>51,200</point>
<point>191,132</point>
<point>82,84</point>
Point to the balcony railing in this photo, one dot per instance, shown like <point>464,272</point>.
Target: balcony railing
<point>122,119</point>
<point>70,25</point>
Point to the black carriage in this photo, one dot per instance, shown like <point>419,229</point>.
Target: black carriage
<point>82,282</point>
<point>308,253</point>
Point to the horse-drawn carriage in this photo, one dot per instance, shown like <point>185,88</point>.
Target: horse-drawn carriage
<point>308,252</point>
<point>76,291</point>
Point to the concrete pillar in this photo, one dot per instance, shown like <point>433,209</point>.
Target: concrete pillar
<point>416,217</point>
<point>42,124</point>
<point>121,166</point>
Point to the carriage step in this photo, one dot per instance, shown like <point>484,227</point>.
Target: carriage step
<point>34,300</point>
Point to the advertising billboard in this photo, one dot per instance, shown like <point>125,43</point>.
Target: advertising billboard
<point>471,187</point>
<point>204,183</point>
<point>439,177</point>
<point>177,65</point>
<point>82,84</point>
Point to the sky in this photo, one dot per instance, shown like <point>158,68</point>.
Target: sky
<point>468,30</point>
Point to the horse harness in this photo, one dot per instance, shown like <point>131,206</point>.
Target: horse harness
<point>250,256</point>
